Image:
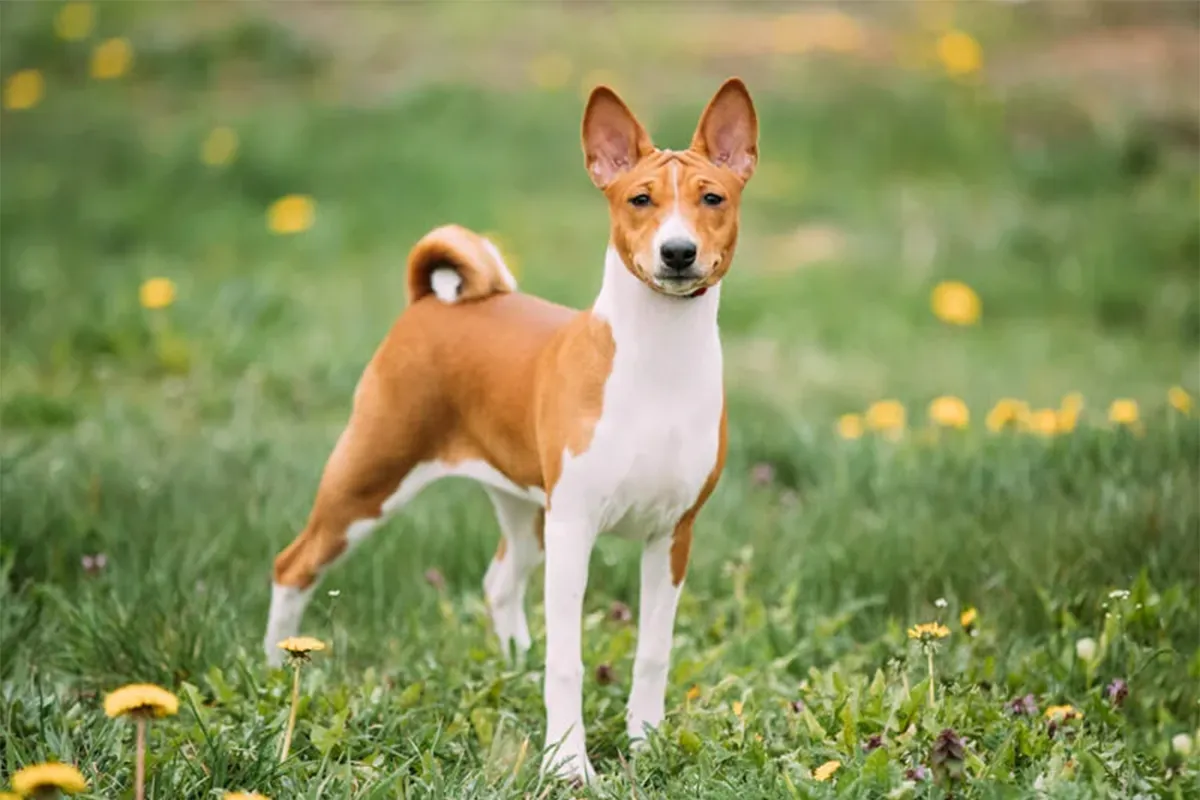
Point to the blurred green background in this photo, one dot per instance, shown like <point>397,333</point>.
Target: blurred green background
<point>265,166</point>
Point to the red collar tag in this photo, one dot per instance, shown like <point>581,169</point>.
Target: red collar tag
<point>699,291</point>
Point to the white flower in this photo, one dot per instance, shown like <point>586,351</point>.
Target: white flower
<point>334,592</point>
<point>1181,743</point>
<point>940,602</point>
<point>1119,594</point>
<point>1085,648</point>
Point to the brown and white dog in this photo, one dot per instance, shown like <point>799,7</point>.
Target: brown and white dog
<point>576,422</point>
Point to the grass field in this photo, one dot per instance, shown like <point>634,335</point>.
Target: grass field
<point>183,443</point>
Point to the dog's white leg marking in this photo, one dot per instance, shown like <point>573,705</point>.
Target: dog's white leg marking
<point>569,542</point>
<point>506,578</point>
<point>287,609</point>
<point>656,626</point>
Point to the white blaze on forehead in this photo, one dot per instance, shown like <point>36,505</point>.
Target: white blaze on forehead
<point>674,226</point>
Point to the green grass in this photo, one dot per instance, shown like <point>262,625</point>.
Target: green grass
<point>185,445</point>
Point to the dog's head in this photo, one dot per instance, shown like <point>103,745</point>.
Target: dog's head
<point>674,214</point>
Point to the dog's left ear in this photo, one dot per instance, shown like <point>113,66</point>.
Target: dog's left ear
<point>728,130</point>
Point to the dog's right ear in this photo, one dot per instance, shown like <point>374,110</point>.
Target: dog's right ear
<point>613,139</point>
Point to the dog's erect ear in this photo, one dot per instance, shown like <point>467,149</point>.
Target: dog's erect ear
<point>728,130</point>
<point>613,139</point>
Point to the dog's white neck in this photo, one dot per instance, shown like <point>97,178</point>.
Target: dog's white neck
<point>667,333</point>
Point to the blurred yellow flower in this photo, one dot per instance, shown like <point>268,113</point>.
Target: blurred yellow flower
<point>24,89</point>
<point>291,214</point>
<point>1063,713</point>
<point>1068,412</point>
<point>959,53</point>
<point>949,411</point>
<point>737,708</point>
<point>968,617</point>
<point>157,293</point>
<point>1072,402</point>
<point>886,415</point>
<point>141,698</point>
<point>9,796</point>
<point>550,71</point>
<point>826,770</point>
<point>111,59</point>
<point>1044,421</point>
<point>1008,411</point>
<point>245,796</point>
<point>956,303</point>
<point>74,21</point>
<point>850,426</point>
<point>1123,411</point>
<point>219,147</point>
<point>36,778</point>
<point>693,692</point>
<point>1179,399</point>
<point>301,645</point>
<point>928,630</point>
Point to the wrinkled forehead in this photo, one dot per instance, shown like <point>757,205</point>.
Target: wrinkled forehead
<point>677,166</point>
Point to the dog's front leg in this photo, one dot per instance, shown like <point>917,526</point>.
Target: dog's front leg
<point>569,541</point>
<point>656,625</point>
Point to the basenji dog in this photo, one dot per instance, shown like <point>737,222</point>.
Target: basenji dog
<point>576,423</point>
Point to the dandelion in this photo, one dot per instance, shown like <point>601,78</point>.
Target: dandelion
<point>1085,649</point>
<point>111,59</point>
<point>1006,412</point>
<point>959,53</point>
<point>1062,713</point>
<point>47,780</point>
<point>968,617</point>
<point>693,692</point>
<point>1181,743</point>
<point>949,411</point>
<point>23,89</point>
<point>74,21</point>
<point>1179,399</point>
<point>141,701</point>
<point>826,770</point>
<point>219,147</point>
<point>9,796</point>
<point>550,71</point>
<point>299,649</point>
<point>850,426</point>
<point>157,293</point>
<point>1043,421</point>
<point>245,796</point>
<point>955,303</point>
<point>1123,412</point>
<point>927,633</point>
<point>293,213</point>
<point>887,416</point>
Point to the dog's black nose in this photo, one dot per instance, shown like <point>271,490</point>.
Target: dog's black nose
<point>678,254</point>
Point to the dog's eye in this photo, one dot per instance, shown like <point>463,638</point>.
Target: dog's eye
<point>710,199</point>
<point>640,200</point>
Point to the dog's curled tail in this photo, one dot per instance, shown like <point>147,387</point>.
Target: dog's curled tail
<point>456,264</point>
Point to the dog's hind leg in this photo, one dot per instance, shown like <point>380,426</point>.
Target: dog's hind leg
<point>520,551</point>
<point>364,480</point>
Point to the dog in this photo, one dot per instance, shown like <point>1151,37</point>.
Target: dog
<point>576,423</point>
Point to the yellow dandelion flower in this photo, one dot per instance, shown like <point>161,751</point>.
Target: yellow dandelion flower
<point>245,796</point>
<point>220,146</point>
<point>74,21</point>
<point>1123,411</point>
<point>968,617</point>
<point>693,692</point>
<point>1063,713</point>
<point>886,415</point>
<point>955,303</point>
<point>24,89</point>
<point>550,71</point>
<point>850,426</point>
<point>9,796</point>
<point>1179,399</point>
<point>39,777</point>
<point>141,698</point>
<point>1008,411</point>
<point>927,631</point>
<point>949,411</point>
<point>1072,402</point>
<point>111,59</point>
<point>1045,421</point>
<point>738,705</point>
<point>959,53</point>
<point>293,213</point>
<point>301,645</point>
<point>826,770</point>
<point>157,293</point>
